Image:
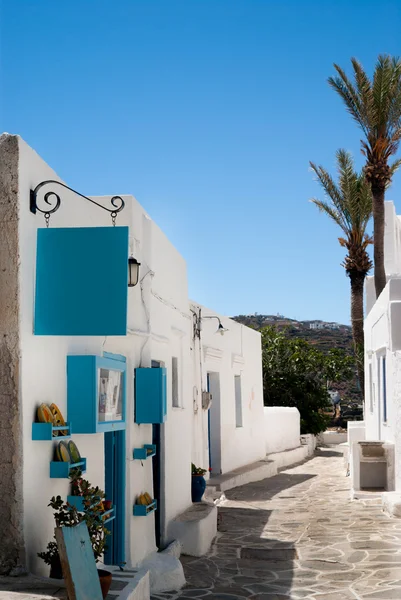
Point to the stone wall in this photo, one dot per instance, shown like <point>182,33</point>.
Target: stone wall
<point>11,484</point>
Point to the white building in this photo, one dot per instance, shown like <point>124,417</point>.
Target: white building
<point>164,329</point>
<point>378,466</point>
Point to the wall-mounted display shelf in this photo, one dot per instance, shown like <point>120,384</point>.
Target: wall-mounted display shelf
<point>109,515</point>
<point>77,501</point>
<point>96,392</point>
<point>45,431</point>
<point>144,511</point>
<point>147,451</point>
<point>60,469</point>
<point>150,395</point>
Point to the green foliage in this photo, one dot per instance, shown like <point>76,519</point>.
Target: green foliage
<point>349,205</point>
<point>196,471</point>
<point>375,104</point>
<point>50,556</point>
<point>297,374</point>
<point>66,515</point>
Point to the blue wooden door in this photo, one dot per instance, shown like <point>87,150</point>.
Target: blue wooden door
<point>114,450</point>
<point>156,467</point>
<point>209,428</point>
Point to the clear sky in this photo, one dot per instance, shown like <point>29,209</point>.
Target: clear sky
<point>208,111</point>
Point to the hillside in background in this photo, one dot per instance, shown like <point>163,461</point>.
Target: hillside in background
<point>322,334</point>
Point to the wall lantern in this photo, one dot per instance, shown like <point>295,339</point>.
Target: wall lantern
<point>197,323</point>
<point>133,271</point>
<point>221,329</point>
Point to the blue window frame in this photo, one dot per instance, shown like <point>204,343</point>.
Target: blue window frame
<point>384,389</point>
<point>96,394</point>
<point>371,389</point>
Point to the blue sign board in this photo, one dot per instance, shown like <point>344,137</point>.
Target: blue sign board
<point>81,281</point>
<point>78,563</point>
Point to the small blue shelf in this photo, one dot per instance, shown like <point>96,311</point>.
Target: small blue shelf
<point>78,502</point>
<point>147,451</point>
<point>45,431</point>
<point>111,515</point>
<point>59,469</point>
<point>144,511</point>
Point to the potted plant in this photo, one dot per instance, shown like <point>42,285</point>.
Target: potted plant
<point>52,558</point>
<point>198,483</point>
<point>66,515</point>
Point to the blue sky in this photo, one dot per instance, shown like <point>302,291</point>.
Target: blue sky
<point>208,111</point>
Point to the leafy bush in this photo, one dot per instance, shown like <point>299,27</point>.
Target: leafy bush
<point>296,374</point>
<point>66,515</point>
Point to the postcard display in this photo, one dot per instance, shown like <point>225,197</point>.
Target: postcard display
<point>96,394</point>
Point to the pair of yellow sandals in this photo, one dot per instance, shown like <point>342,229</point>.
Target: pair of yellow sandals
<point>51,414</point>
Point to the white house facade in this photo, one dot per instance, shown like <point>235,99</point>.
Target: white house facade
<point>167,338</point>
<point>375,444</point>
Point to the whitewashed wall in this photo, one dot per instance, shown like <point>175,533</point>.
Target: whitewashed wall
<point>160,326</point>
<point>282,427</point>
<point>237,352</point>
<point>383,338</point>
<point>153,333</point>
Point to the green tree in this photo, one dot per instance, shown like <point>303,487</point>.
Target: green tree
<point>296,374</point>
<point>349,205</point>
<point>375,104</point>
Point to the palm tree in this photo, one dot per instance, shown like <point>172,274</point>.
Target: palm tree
<point>376,106</point>
<point>349,205</point>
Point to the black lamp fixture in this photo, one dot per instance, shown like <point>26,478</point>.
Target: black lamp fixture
<point>133,271</point>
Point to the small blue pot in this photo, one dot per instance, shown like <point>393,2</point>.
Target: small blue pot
<point>198,487</point>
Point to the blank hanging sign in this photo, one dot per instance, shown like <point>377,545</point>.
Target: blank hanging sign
<point>81,281</point>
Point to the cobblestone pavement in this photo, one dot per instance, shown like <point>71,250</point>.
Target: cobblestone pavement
<point>297,535</point>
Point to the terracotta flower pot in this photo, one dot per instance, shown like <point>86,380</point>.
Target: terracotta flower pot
<point>105,578</point>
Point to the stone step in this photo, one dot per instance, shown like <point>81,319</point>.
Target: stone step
<point>259,470</point>
<point>247,474</point>
<point>195,528</point>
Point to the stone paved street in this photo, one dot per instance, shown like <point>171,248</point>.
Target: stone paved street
<point>297,535</point>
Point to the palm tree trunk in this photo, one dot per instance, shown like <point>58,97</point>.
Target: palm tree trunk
<point>357,281</point>
<point>378,237</point>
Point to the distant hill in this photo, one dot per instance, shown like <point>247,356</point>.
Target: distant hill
<point>322,334</point>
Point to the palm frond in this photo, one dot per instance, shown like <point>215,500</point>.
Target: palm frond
<point>332,191</point>
<point>381,88</point>
<point>349,94</point>
<point>394,167</point>
<point>349,205</point>
<point>364,93</point>
<point>375,104</point>
<point>329,210</point>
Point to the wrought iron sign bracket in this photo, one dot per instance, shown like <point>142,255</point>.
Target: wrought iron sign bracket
<point>53,204</point>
